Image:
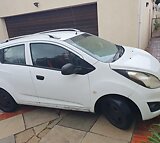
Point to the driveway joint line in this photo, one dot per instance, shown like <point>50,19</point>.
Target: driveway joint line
<point>24,122</point>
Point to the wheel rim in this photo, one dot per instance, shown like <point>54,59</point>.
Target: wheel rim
<point>114,114</point>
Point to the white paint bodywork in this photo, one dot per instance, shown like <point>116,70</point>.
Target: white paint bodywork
<point>139,60</point>
<point>79,92</point>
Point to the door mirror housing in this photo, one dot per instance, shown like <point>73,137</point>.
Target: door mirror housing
<point>68,69</point>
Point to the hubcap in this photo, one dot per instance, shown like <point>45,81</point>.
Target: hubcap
<point>115,114</point>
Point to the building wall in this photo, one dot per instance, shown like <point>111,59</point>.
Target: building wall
<point>118,21</point>
<point>145,22</point>
<point>3,30</point>
<point>27,6</point>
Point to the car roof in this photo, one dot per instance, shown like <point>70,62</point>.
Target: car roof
<point>57,34</point>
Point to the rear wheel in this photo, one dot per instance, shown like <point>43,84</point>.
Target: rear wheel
<point>7,103</point>
<point>117,112</point>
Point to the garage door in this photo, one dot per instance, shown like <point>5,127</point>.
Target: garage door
<point>81,17</point>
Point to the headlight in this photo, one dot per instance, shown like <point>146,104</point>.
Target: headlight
<point>144,79</point>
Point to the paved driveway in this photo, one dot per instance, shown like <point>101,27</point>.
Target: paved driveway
<point>44,125</point>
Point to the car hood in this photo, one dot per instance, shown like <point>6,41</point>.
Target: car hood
<point>137,60</point>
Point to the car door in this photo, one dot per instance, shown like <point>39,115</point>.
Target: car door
<point>53,88</point>
<point>15,74</point>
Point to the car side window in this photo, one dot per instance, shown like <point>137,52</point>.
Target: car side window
<point>52,56</point>
<point>13,55</point>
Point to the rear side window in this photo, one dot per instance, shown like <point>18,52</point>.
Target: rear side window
<point>13,55</point>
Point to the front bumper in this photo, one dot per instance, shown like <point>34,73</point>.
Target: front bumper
<point>148,102</point>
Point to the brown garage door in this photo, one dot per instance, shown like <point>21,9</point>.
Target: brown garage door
<point>81,17</point>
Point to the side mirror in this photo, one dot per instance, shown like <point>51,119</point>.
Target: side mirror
<point>68,69</point>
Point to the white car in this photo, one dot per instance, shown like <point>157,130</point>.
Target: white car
<point>74,70</point>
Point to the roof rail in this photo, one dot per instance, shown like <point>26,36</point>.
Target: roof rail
<point>43,32</point>
<point>18,37</point>
<point>56,30</point>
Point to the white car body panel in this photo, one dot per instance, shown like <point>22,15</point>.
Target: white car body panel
<point>79,92</point>
<point>19,80</point>
<point>60,90</point>
<point>139,60</point>
<point>76,99</point>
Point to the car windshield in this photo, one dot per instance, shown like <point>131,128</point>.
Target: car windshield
<point>96,47</point>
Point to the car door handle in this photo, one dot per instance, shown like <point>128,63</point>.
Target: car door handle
<point>39,77</point>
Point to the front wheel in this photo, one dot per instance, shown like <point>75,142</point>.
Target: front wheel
<point>117,111</point>
<point>7,103</point>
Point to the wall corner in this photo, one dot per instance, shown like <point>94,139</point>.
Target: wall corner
<point>3,30</point>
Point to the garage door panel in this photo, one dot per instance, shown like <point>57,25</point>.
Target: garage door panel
<point>80,17</point>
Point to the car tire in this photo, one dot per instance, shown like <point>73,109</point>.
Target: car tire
<point>7,103</point>
<point>117,112</point>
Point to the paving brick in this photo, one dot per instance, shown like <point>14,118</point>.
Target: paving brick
<point>40,128</point>
<point>79,120</point>
<point>94,138</point>
<point>39,116</point>
<point>61,134</point>
<point>24,136</point>
<point>53,123</point>
<point>9,139</point>
<point>34,140</point>
<point>20,110</point>
<point>43,133</point>
<point>11,126</point>
<point>103,127</point>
